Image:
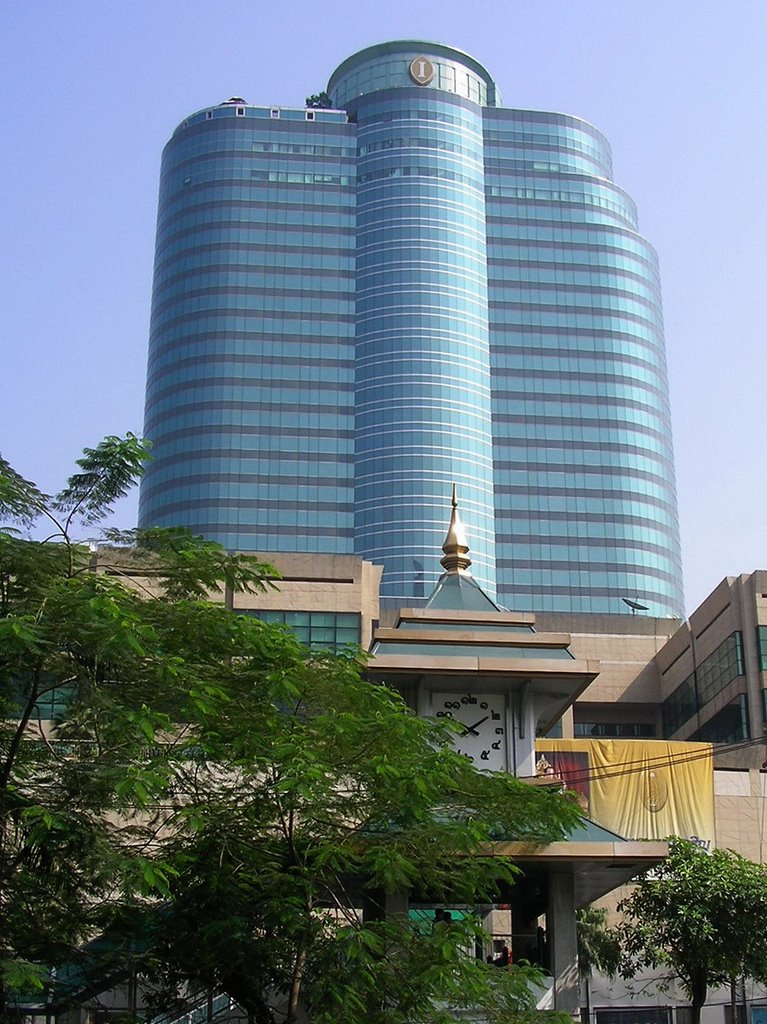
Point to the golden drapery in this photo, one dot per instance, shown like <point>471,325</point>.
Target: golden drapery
<point>641,789</point>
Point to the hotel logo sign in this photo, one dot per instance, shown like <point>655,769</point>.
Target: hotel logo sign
<point>421,70</point>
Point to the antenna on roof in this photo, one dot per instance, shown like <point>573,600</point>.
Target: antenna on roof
<point>635,606</point>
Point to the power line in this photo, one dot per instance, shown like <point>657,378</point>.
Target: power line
<point>666,760</point>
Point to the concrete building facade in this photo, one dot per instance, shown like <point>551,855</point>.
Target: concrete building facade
<point>578,676</point>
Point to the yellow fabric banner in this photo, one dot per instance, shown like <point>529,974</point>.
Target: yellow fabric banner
<point>641,789</point>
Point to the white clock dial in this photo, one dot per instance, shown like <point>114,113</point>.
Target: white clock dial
<point>483,717</point>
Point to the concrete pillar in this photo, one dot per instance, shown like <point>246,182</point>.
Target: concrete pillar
<point>380,906</point>
<point>523,724</point>
<point>562,942</point>
<point>396,904</point>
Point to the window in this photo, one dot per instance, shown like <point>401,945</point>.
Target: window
<point>275,112</point>
<point>720,668</point>
<point>328,630</point>
<point>645,1015</point>
<point>615,730</point>
<point>309,115</point>
<point>51,703</point>
<point>761,639</point>
<point>208,114</point>
<point>711,676</point>
<point>730,725</point>
<point>241,112</point>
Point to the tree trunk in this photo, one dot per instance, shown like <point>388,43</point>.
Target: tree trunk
<point>295,987</point>
<point>699,991</point>
<point>733,1000</point>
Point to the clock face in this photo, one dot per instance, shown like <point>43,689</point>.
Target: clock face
<point>483,717</point>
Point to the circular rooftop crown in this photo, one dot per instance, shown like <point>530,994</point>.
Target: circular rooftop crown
<point>411,62</point>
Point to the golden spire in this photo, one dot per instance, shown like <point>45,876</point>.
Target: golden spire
<point>456,548</point>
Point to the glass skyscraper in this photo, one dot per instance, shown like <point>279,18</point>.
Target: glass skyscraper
<point>354,307</point>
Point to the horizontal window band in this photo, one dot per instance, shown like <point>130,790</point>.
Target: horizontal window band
<point>655,460</point>
<point>572,494</point>
<point>181,389</point>
<point>178,201</point>
<point>542,569</point>
<point>644,396</point>
<point>202,163</point>
<point>268,531</point>
<point>248,126</point>
<point>511,359</point>
<point>236,216</point>
<point>248,408</point>
<point>201,431</point>
<point>326,238</point>
<point>263,258</point>
<point>252,314</point>
<point>264,300</point>
<point>220,356</point>
<point>310,507</point>
<point>616,546</point>
<point>538,426</point>
<point>161,346</point>
<point>617,473</point>
<point>346,277</point>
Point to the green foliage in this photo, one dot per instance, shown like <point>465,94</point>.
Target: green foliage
<point>107,472</point>
<point>185,566</point>
<point>598,944</point>
<point>81,797</point>
<point>424,979</point>
<point>701,916</point>
<point>310,795</point>
<point>21,976</point>
<point>20,500</point>
<point>319,99</point>
<point>233,808</point>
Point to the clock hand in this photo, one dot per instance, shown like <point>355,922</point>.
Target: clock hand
<point>473,728</point>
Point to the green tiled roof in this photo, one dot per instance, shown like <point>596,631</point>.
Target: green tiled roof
<point>443,648</point>
<point>589,832</point>
<point>459,592</point>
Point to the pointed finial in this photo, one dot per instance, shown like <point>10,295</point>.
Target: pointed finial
<point>456,548</point>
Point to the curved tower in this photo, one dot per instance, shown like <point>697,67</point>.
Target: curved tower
<point>355,307</point>
<point>422,368</point>
<point>249,401</point>
<point>586,509</point>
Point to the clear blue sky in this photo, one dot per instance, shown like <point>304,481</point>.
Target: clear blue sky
<point>91,90</point>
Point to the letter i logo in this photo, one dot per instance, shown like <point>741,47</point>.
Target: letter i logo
<point>421,70</point>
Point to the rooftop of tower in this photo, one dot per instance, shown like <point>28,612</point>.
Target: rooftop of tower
<point>408,49</point>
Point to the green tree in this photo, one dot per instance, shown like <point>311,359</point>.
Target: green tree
<point>233,808</point>
<point>315,796</point>
<point>700,916</point>
<point>598,944</point>
<point>319,99</point>
<point>80,648</point>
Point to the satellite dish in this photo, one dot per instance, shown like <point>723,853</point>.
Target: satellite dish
<point>635,606</point>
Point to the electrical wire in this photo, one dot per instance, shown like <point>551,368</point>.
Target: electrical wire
<point>666,760</point>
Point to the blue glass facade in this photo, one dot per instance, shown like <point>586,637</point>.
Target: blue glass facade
<point>584,471</point>
<point>355,307</point>
<point>250,383</point>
